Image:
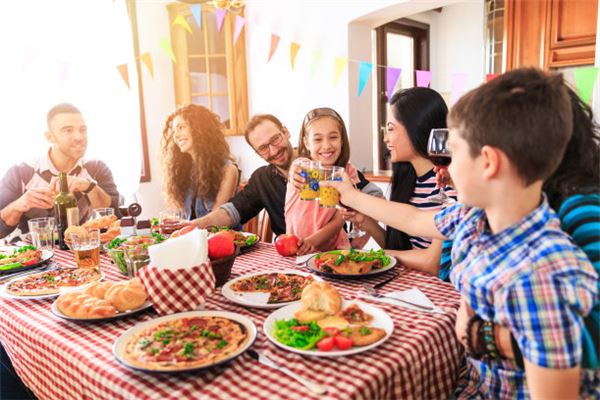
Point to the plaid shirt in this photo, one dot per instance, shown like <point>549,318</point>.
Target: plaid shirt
<point>530,278</point>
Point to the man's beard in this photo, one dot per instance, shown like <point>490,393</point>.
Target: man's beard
<point>287,163</point>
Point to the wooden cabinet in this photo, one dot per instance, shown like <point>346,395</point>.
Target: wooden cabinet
<point>210,70</point>
<point>550,33</point>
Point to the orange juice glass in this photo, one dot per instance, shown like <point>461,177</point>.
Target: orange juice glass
<point>328,196</point>
<point>310,173</point>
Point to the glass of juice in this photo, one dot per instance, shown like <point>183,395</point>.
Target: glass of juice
<point>86,247</point>
<point>310,173</point>
<point>328,196</point>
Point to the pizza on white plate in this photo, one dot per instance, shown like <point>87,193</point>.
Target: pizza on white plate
<point>50,282</point>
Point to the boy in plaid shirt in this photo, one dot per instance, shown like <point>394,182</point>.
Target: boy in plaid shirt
<point>511,262</point>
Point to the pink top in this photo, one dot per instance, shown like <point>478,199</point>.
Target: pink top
<point>305,217</point>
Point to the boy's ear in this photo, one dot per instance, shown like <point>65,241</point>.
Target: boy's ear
<point>491,162</point>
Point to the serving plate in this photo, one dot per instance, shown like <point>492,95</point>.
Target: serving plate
<point>65,289</point>
<point>258,299</point>
<point>246,248</point>
<point>120,344</point>
<point>381,319</point>
<point>46,255</point>
<point>313,267</point>
<point>118,315</point>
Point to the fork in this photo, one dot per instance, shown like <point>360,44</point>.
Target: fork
<point>373,292</point>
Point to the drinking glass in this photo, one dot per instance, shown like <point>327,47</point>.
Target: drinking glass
<point>441,157</point>
<point>169,221</point>
<point>136,257</point>
<point>42,232</point>
<point>354,232</point>
<point>328,196</point>
<point>310,173</point>
<point>86,247</point>
<point>102,212</point>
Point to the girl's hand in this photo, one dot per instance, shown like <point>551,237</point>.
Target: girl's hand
<point>305,248</point>
<point>295,178</point>
<point>442,177</point>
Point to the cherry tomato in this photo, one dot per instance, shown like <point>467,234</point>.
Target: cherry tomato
<point>29,262</point>
<point>331,331</point>
<point>342,342</point>
<point>325,344</point>
<point>300,328</point>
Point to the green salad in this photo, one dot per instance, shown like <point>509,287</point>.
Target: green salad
<point>301,336</point>
<point>359,255</point>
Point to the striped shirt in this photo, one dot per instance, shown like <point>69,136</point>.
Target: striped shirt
<point>425,189</point>
<point>531,278</point>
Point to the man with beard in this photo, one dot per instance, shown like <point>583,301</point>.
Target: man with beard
<point>28,189</point>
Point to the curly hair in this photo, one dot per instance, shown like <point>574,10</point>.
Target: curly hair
<point>203,172</point>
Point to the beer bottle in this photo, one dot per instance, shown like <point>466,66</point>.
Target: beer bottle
<point>65,207</point>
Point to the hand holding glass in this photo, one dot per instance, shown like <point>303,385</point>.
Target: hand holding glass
<point>440,156</point>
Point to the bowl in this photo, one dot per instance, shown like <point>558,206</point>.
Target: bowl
<point>222,267</point>
<point>119,259</point>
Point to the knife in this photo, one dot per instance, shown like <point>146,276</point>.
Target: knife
<point>381,284</point>
<point>261,358</point>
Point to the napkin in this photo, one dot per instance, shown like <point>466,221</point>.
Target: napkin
<point>303,259</point>
<point>413,295</point>
<point>181,252</point>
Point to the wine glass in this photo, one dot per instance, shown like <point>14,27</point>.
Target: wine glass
<point>440,156</point>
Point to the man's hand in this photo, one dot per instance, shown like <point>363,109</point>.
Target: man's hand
<point>464,313</point>
<point>35,198</point>
<point>76,183</point>
<point>305,248</point>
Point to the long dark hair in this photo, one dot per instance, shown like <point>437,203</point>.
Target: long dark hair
<point>578,171</point>
<point>419,110</point>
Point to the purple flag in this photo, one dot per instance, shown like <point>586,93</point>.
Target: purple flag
<point>197,12</point>
<point>459,80</point>
<point>239,24</point>
<point>220,18</point>
<point>391,78</point>
<point>423,78</point>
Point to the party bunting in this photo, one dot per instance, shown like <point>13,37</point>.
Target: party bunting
<point>340,63</point>
<point>316,59</point>
<point>489,77</point>
<point>423,78</point>
<point>364,73</point>
<point>123,70</point>
<point>220,14</point>
<point>391,78</point>
<point>147,60</point>
<point>179,20</point>
<point>585,78</point>
<point>165,46</point>
<point>239,24</point>
<point>274,44</point>
<point>294,47</point>
<point>197,13</point>
<point>459,81</point>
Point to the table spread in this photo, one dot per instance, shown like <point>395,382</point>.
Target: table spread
<point>59,359</point>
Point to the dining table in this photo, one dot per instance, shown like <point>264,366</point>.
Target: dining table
<point>61,359</point>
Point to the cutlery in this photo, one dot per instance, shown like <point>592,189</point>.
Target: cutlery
<point>261,358</point>
<point>373,292</point>
<point>381,284</point>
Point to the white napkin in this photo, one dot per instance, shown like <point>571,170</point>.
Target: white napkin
<point>184,251</point>
<point>302,259</point>
<point>413,295</point>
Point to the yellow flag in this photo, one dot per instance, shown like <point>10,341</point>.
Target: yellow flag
<point>179,20</point>
<point>340,64</point>
<point>293,52</point>
<point>147,60</point>
<point>165,46</point>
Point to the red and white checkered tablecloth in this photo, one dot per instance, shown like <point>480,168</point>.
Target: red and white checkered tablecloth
<point>59,359</point>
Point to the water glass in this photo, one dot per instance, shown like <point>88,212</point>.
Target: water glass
<point>86,247</point>
<point>310,173</point>
<point>169,221</point>
<point>136,258</point>
<point>328,196</point>
<point>42,232</point>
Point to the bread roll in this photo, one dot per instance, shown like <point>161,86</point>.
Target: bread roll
<point>83,305</point>
<point>127,295</point>
<point>321,296</point>
<point>98,289</point>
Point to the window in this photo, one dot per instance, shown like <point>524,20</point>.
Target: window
<point>210,70</point>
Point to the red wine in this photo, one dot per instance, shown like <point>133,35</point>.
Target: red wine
<point>124,211</point>
<point>440,160</point>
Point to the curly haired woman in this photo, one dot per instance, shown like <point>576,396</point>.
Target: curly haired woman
<point>199,173</point>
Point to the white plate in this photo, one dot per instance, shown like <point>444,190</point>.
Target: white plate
<point>380,320</point>
<point>46,255</point>
<point>313,267</point>
<point>121,342</point>
<point>4,294</point>
<point>118,315</point>
<point>258,299</point>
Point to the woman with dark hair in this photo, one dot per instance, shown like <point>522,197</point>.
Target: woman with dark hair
<point>412,115</point>
<point>199,173</point>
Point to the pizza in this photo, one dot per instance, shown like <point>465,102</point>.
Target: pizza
<point>185,343</point>
<point>282,287</point>
<point>50,282</point>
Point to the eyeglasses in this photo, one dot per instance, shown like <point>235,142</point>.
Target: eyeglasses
<point>321,112</point>
<point>276,140</point>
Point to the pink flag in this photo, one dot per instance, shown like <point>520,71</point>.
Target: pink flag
<point>220,18</point>
<point>391,78</point>
<point>423,78</point>
<point>274,44</point>
<point>124,71</point>
<point>489,77</point>
<point>239,24</point>
<point>459,80</point>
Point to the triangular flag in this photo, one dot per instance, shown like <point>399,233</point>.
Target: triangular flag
<point>340,63</point>
<point>239,24</point>
<point>585,78</point>
<point>197,13</point>
<point>220,17</point>
<point>364,73</point>
<point>165,46</point>
<point>489,77</point>
<point>391,78</point>
<point>147,60</point>
<point>179,20</point>
<point>274,44</point>
<point>294,47</point>
<point>317,55</point>
<point>423,78</point>
<point>123,70</point>
<point>459,80</point>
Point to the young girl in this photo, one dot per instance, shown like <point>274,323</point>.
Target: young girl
<point>413,114</point>
<point>198,170</point>
<point>323,138</point>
